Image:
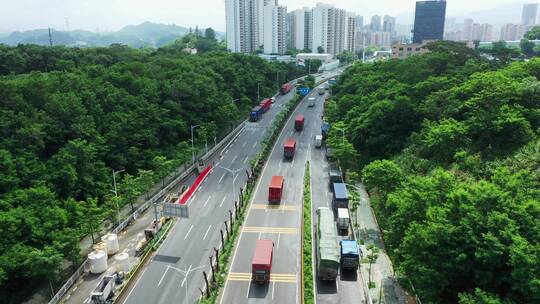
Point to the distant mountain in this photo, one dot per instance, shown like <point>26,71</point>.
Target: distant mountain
<point>142,35</point>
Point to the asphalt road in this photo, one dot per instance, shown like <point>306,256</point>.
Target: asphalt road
<point>281,223</point>
<point>347,288</point>
<point>191,241</point>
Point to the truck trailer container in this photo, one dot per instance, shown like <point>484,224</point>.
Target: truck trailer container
<point>261,264</point>
<point>286,88</point>
<point>289,148</point>
<point>275,190</point>
<point>343,221</point>
<point>327,247</point>
<point>334,176</point>
<point>340,196</point>
<point>350,254</point>
<point>266,104</point>
<point>299,122</point>
<point>256,114</point>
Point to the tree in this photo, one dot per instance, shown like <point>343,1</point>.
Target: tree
<point>533,33</point>
<point>320,49</point>
<point>383,175</point>
<point>527,47</point>
<point>92,216</point>
<point>209,33</point>
<point>372,258</point>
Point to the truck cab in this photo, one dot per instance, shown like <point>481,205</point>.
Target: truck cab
<point>261,264</point>
<point>334,176</point>
<point>289,148</point>
<point>255,114</point>
<point>275,191</point>
<point>350,254</point>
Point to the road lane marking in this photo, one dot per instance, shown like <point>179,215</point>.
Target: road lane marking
<point>245,159</point>
<point>273,287</point>
<point>221,179</point>
<point>234,179</point>
<point>185,277</point>
<point>285,230</point>
<point>207,200</point>
<point>208,230</point>
<point>226,151</point>
<point>138,280</point>
<point>292,162</point>
<point>221,204</point>
<point>254,144</point>
<point>274,277</point>
<point>163,276</point>
<point>274,207</point>
<point>244,144</point>
<point>278,238</point>
<point>234,158</point>
<point>188,232</point>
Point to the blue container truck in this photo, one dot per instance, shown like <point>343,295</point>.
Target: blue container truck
<point>256,113</point>
<point>350,254</point>
<point>340,196</point>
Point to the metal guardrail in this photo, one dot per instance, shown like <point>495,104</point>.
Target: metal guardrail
<point>183,173</point>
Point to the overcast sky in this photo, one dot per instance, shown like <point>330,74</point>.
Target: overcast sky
<point>111,15</point>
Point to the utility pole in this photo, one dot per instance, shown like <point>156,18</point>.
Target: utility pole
<point>50,38</point>
<point>116,193</point>
<point>233,172</point>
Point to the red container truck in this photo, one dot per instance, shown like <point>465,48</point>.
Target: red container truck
<point>299,122</point>
<point>261,264</point>
<point>288,148</point>
<point>276,189</point>
<point>266,104</point>
<point>286,88</point>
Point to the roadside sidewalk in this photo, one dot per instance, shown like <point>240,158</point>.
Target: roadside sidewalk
<point>382,271</point>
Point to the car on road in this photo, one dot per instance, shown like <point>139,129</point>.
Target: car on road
<point>311,102</point>
<point>273,99</point>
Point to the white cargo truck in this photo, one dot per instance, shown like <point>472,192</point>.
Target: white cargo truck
<point>343,220</point>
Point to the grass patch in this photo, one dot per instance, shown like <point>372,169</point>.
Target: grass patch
<point>307,248</point>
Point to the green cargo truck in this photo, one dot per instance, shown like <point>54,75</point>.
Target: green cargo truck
<point>327,248</point>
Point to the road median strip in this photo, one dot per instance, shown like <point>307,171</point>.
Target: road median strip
<point>308,295</point>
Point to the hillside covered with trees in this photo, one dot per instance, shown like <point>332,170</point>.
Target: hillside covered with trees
<point>70,116</point>
<point>448,145</point>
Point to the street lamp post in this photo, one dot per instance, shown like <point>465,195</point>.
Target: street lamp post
<point>258,94</point>
<point>192,145</point>
<point>185,273</point>
<point>233,172</point>
<point>116,193</point>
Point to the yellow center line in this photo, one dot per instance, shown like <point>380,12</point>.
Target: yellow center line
<point>274,277</point>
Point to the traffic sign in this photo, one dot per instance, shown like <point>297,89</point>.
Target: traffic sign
<point>303,91</point>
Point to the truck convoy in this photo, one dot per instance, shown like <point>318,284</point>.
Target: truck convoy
<point>286,88</point>
<point>327,250</point>
<point>350,255</point>
<point>340,197</point>
<point>275,190</point>
<point>266,104</point>
<point>299,123</point>
<point>288,148</point>
<point>343,221</point>
<point>256,114</point>
<point>261,264</point>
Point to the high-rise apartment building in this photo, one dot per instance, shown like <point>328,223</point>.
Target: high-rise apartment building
<point>429,21</point>
<point>512,32</point>
<point>274,29</point>
<point>302,28</point>
<point>389,24</point>
<point>359,22</point>
<point>528,16</point>
<point>261,4</point>
<point>328,28</point>
<point>467,29</point>
<point>375,25</point>
<point>243,25</point>
<point>350,32</point>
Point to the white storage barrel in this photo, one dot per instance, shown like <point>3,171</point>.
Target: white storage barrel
<point>122,262</point>
<point>111,241</point>
<point>98,261</point>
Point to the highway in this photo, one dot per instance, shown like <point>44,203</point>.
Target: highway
<point>191,241</point>
<point>348,287</point>
<point>281,223</point>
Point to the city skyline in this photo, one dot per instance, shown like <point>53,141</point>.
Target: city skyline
<point>64,15</point>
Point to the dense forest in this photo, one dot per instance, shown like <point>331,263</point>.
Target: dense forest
<point>70,116</point>
<point>448,145</point>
